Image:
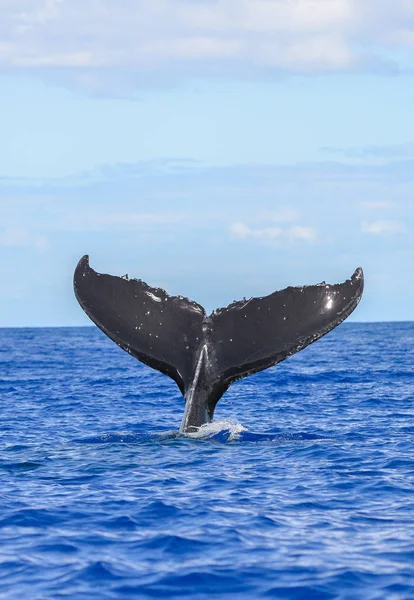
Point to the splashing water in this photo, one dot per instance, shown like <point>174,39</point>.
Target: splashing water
<point>226,430</point>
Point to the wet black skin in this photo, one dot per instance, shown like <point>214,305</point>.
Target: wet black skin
<point>205,354</point>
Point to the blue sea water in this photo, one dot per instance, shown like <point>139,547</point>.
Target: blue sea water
<point>302,488</point>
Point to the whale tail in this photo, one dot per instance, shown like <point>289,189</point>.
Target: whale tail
<point>205,354</point>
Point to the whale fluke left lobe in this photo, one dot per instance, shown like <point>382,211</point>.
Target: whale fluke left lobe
<point>161,331</point>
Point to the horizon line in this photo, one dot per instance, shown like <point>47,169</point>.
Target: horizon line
<point>93,326</point>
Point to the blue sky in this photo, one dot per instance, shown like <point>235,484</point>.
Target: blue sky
<point>219,149</point>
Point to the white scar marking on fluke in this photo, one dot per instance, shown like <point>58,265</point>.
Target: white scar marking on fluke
<point>153,297</point>
<point>190,393</point>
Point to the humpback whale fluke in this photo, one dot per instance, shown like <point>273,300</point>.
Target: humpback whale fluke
<point>203,353</point>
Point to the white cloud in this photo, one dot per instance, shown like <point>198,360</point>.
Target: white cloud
<point>205,36</point>
<point>18,237</point>
<point>14,237</point>
<point>307,234</point>
<point>384,227</point>
<point>41,243</point>
<point>273,235</point>
<point>386,151</point>
<point>240,230</point>
<point>378,205</point>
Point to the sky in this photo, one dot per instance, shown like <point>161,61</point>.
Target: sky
<point>217,148</point>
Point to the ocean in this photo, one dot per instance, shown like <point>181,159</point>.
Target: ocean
<point>302,488</point>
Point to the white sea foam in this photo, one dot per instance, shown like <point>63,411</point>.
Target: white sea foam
<point>230,426</point>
